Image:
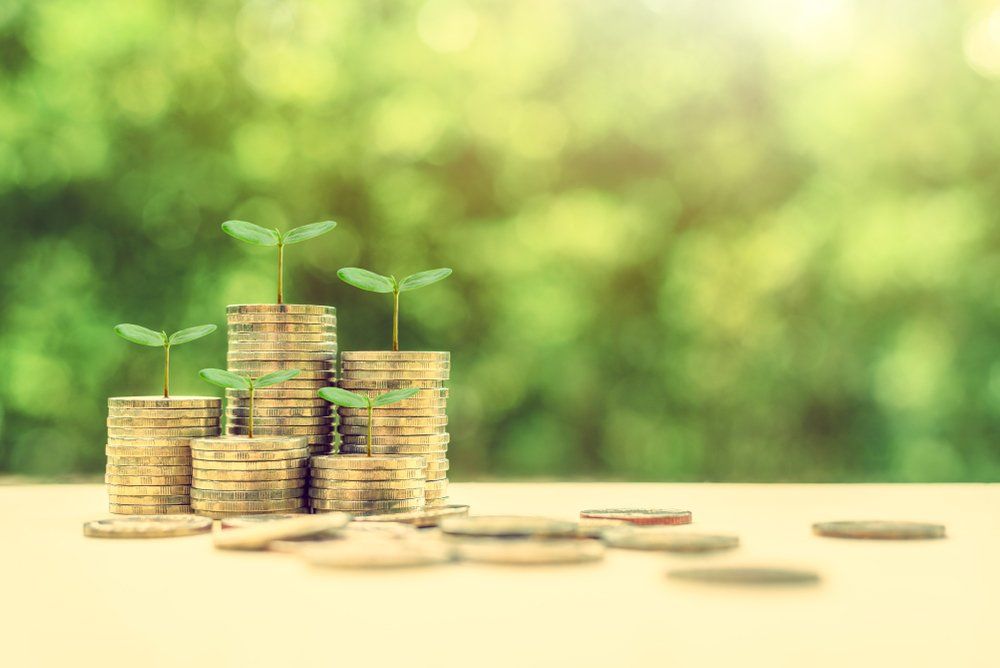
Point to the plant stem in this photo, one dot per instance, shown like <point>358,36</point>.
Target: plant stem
<point>166,371</point>
<point>250,422</point>
<point>281,262</point>
<point>395,320</point>
<point>369,427</point>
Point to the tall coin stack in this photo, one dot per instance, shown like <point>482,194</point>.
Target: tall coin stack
<point>414,426</point>
<point>149,454</point>
<point>268,337</point>
<point>363,485</point>
<point>239,475</point>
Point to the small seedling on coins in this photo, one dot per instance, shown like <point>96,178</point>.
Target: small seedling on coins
<point>236,381</point>
<point>261,236</point>
<point>147,337</point>
<point>372,282</point>
<point>342,397</point>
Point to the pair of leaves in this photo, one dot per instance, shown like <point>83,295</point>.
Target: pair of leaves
<point>147,337</point>
<point>261,236</point>
<point>342,397</point>
<point>372,282</point>
<point>236,381</point>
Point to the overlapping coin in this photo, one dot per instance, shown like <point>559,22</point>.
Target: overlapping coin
<point>640,515</point>
<point>148,453</point>
<point>667,539</point>
<point>288,528</point>
<point>507,526</point>
<point>428,517</point>
<point>147,526</point>
<point>363,485</point>
<point>880,530</point>
<point>378,553</point>
<point>529,551</point>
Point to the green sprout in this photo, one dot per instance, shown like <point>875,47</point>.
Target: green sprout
<point>236,381</point>
<point>342,397</point>
<point>372,282</point>
<point>261,236</point>
<point>147,337</point>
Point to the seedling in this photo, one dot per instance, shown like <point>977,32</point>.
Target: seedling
<point>261,236</point>
<point>372,282</point>
<point>342,397</point>
<point>147,337</point>
<point>237,381</point>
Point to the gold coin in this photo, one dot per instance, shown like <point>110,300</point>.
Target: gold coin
<point>394,365</point>
<point>317,367</point>
<point>260,535</point>
<point>317,359</point>
<point>386,385</point>
<point>159,413</point>
<point>148,490</point>
<point>248,506</point>
<point>312,402</point>
<point>425,439</point>
<point>433,496</point>
<point>426,450</point>
<point>437,486</point>
<point>403,355</point>
<point>178,442</point>
<point>176,432</point>
<point>142,451</point>
<point>149,461</point>
<point>390,412</point>
<point>246,443</point>
<point>333,483</point>
<point>171,509</point>
<point>437,464</point>
<point>355,376</point>
<point>246,495</point>
<point>362,506</point>
<point>163,423</point>
<point>434,477</point>
<point>367,475</point>
<point>336,493</point>
<point>379,421</point>
<point>323,411</point>
<point>248,456</point>
<point>220,515</point>
<point>203,476</point>
<point>436,503</point>
<point>311,322</point>
<point>356,462</point>
<point>212,464</point>
<point>164,402</point>
<point>310,309</point>
<point>139,469</point>
<point>265,430</point>
<point>280,328</point>
<point>128,500</point>
<point>244,486</point>
<point>422,518</point>
<point>147,527</point>
<point>147,479</point>
<point>283,421</point>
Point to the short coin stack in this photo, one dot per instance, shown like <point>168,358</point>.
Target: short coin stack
<point>414,426</point>
<point>239,475</point>
<point>269,337</point>
<point>363,485</point>
<point>149,457</point>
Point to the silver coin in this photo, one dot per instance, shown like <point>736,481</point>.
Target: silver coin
<point>508,526</point>
<point>667,540</point>
<point>529,550</point>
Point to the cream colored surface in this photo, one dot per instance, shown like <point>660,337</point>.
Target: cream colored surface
<point>74,601</point>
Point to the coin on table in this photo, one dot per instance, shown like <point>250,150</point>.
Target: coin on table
<point>249,485</point>
<point>436,503</point>
<point>368,475</point>
<point>132,509</point>
<point>120,412</point>
<point>415,355</point>
<point>244,521</point>
<point>369,485</point>
<point>248,456</point>
<point>354,494</point>
<point>148,480</point>
<point>362,462</point>
<point>593,528</point>
<point>507,526</point>
<point>258,537</point>
<point>148,490</point>
<point>529,551</point>
<point>421,518</point>
<point>245,443</point>
<point>245,495</point>
<point>317,309</point>
<point>248,507</point>
<point>161,402</point>
<point>741,575</point>
<point>149,470</point>
<point>640,515</point>
<point>377,553</point>
<point>372,506</point>
<point>205,465</point>
<point>667,539</point>
<point>879,530</point>
<point>147,526</point>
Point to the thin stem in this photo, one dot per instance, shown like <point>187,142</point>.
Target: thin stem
<point>166,371</point>
<point>250,422</point>
<point>395,320</point>
<point>281,263</point>
<point>369,428</point>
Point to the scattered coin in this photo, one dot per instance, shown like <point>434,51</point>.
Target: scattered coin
<point>529,551</point>
<point>148,526</point>
<point>667,540</point>
<point>746,575</point>
<point>377,554</point>
<point>640,515</point>
<point>258,537</point>
<point>420,518</point>
<point>880,530</point>
<point>244,521</point>
<point>507,526</point>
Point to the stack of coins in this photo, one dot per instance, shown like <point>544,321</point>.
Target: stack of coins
<point>268,337</point>
<point>149,457</point>
<point>239,475</point>
<point>414,426</point>
<point>363,485</point>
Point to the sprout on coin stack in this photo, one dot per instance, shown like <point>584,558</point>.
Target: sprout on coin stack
<point>148,449</point>
<point>269,337</point>
<point>252,473</point>
<point>365,484</point>
<point>415,426</point>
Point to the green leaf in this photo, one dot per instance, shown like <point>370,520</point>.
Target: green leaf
<point>298,234</point>
<point>276,377</point>
<point>190,334</point>
<point>420,279</point>
<point>141,335</point>
<point>224,378</point>
<point>250,233</point>
<point>366,280</point>
<point>341,397</point>
<point>394,396</point>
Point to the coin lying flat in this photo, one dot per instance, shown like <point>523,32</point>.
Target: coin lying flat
<point>879,530</point>
<point>386,385</point>
<point>147,480</point>
<point>427,517</point>
<point>248,476</point>
<point>354,494</point>
<point>361,449</point>
<point>247,507</point>
<point>316,309</point>
<point>160,402</point>
<point>377,554</point>
<point>667,540</point>
<point>148,490</point>
<point>245,443</point>
<point>374,506</point>
<point>148,526</point>
<point>244,521</point>
<point>132,509</point>
<point>438,410</point>
<point>507,526</point>
<point>360,462</point>
<point>249,456</point>
<point>157,413</point>
<point>369,485</point>
<point>367,475</point>
<point>640,515</point>
<point>529,551</point>
<point>415,355</point>
<point>746,575</point>
<point>200,494</point>
<point>204,465</point>
<point>258,537</point>
<point>249,485</point>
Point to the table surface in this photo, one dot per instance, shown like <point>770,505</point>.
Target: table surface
<point>69,600</point>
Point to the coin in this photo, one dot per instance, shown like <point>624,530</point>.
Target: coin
<point>249,485</point>
<point>379,450</point>
<point>422,439</point>
<point>366,506</point>
<point>402,355</point>
<point>421,518</point>
<point>176,470</point>
<point>283,421</point>
<point>127,451</point>
<point>312,402</point>
<point>377,554</point>
<point>314,359</point>
<point>529,551</point>
<point>243,443</point>
<point>269,430</point>
<point>145,480</point>
<point>746,575</point>
<point>667,539</point>
<point>160,413</point>
<point>277,397</point>
<point>353,494</point>
<point>390,411</point>
<point>406,483</point>
<point>324,348</point>
<point>590,528</point>
<point>149,461</point>
<point>640,515</point>
<point>244,521</point>
<point>245,495</point>
<point>436,503</point>
<point>285,411</point>
<point>165,509</point>
<point>255,475</point>
<point>247,506</point>
<point>259,536</point>
<point>212,464</point>
<point>164,423</point>
<point>367,475</point>
<point>311,309</point>
<point>436,486</point>
<point>362,462</point>
<point>148,490</point>
<point>508,526</point>
<point>386,385</point>
<point>151,526</point>
<point>124,499</point>
<point>393,365</point>
<point>879,530</point>
<point>177,432</point>
<point>349,430</point>
<point>164,402</point>
<point>378,421</point>
<point>355,376</point>
<point>180,441</point>
<point>281,328</point>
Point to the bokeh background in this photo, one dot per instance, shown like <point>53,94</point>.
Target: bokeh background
<point>692,240</point>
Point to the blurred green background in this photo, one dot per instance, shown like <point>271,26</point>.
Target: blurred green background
<point>691,240</point>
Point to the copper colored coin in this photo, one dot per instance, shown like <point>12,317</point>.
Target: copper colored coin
<point>640,515</point>
<point>879,530</point>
